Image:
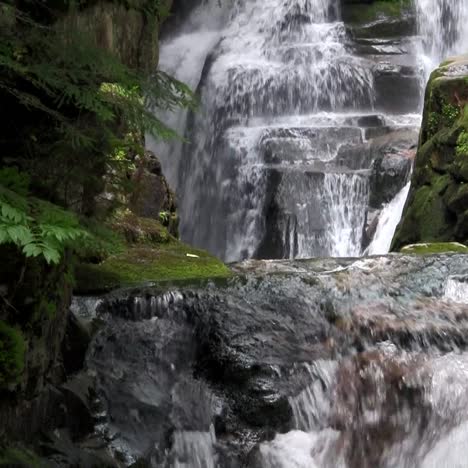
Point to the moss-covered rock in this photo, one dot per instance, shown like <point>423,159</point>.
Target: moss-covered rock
<point>435,248</point>
<point>149,254</point>
<point>379,18</point>
<point>437,207</point>
<point>140,264</point>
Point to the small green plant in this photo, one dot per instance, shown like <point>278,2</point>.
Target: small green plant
<point>164,217</point>
<point>36,227</point>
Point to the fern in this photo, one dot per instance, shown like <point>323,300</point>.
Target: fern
<point>36,227</point>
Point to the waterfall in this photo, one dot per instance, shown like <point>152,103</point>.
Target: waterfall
<point>183,56</point>
<point>194,449</point>
<point>443,27</point>
<point>251,156</point>
<point>276,160</point>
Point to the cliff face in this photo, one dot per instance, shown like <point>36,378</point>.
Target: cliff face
<point>130,30</point>
<point>437,207</point>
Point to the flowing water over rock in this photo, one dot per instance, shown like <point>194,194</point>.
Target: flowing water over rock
<point>293,364</point>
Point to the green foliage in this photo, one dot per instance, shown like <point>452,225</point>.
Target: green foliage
<point>462,144</point>
<point>433,123</point>
<point>12,350</point>
<point>64,69</point>
<point>164,217</point>
<point>47,308</point>
<point>76,104</point>
<point>100,243</point>
<point>450,114</point>
<point>36,227</point>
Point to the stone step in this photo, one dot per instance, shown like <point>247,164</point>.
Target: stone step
<point>323,148</point>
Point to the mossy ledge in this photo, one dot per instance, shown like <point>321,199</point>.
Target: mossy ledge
<point>434,248</point>
<point>147,253</point>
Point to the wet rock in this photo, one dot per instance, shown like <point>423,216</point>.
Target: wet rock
<point>152,197</point>
<point>398,88</point>
<point>335,346</point>
<point>75,344</point>
<point>61,452</point>
<point>393,156</point>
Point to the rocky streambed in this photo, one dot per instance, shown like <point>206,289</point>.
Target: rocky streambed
<point>325,362</point>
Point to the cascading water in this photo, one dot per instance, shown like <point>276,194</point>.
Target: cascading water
<point>278,60</point>
<point>443,27</point>
<point>184,56</point>
<point>388,221</point>
<point>324,363</point>
<point>262,160</point>
<point>278,157</point>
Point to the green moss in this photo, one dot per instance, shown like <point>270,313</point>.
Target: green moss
<point>19,458</point>
<point>12,355</point>
<point>433,123</point>
<point>101,242</point>
<point>435,248</point>
<point>144,263</point>
<point>138,230</point>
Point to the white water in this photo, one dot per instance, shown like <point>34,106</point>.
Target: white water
<point>456,289</point>
<point>388,221</point>
<point>194,449</point>
<point>274,63</point>
<point>440,442</point>
<point>443,27</point>
<point>183,56</point>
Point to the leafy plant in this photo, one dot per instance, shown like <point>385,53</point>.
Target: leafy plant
<point>164,216</point>
<point>36,227</point>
